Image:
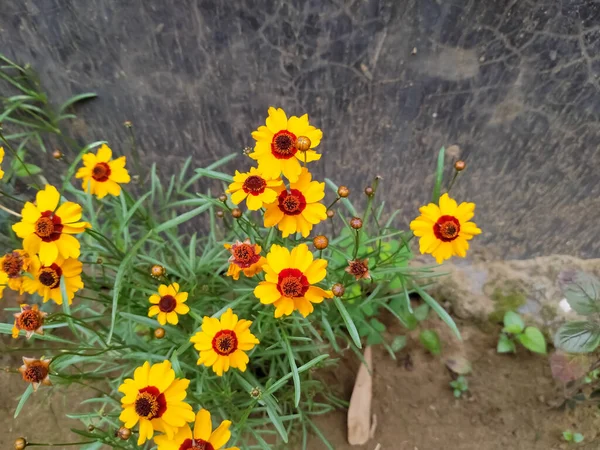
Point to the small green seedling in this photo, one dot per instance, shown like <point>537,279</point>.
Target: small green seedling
<point>569,436</point>
<point>460,386</point>
<point>514,330</point>
<point>594,375</point>
<point>431,341</point>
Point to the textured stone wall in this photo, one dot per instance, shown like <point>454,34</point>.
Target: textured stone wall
<point>515,84</point>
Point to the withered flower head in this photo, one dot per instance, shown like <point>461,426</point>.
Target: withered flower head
<point>320,242</point>
<point>157,271</point>
<point>359,268</point>
<point>356,223</point>
<point>36,371</point>
<point>30,320</point>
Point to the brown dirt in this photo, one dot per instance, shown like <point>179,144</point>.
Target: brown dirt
<point>508,406</point>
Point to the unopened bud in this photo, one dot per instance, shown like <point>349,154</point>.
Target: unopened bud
<point>20,443</point>
<point>157,271</point>
<point>330,213</point>
<point>57,154</point>
<point>460,165</point>
<point>124,433</point>
<point>343,191</point>
<point>320,242</point>
<point>369,191</point>
<point>128,124</point>
<point>303,143</point>
<point>222,198</point>
<point>220,214</point>
<point>356,223</point>
<point>159,333</point>
<point>338,289</point>
<point>236,213</point>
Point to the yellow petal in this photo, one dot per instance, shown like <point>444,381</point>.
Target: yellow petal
<point>254,202</point>
<point>67,245</point>
<point>430,212</point>
<point>316,271</point>
<point>203,425</point>
<point>48,252</point>
<point>211,326</point>
<point>303,306</point>
<point>301,258</point>
<point>448,205</point>
<point>465,212</point>
<point>104,153</point>
<point>153,311</point>
<point>291,169</point>
<point>283,306</point>
<point>288,225</point>
<point>30,213</point>
<point>267,292</point>
<point>25,229</point>
<point>221,435</point>
<point>69,212</point>
<point>277,120</point>
<point>238,196</point>
<point>278,258</point>
<point>239,360</point>
<point>314,213</point>
<point>273,216</point>
<point>47,199</point>
<point>229,320</point>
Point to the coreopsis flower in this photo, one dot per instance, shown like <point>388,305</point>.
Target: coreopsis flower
<point>12,267</point>
<point>168,304</point>
<point>47,228</point>
<point>256,188</point>
<point>45,279</point>
<point>30,320</point>
<point>359,269</point>
<point>245,257</point>
<point>1,159</point>
<point>201,438</point>
<point>298,209</point>
<point>222,343</point>
<point>276,148</point>
<point>445,230</point>
<point>154,398</point>
<point>289,281</point>
<point>101,175</point>
<point>36,371</point>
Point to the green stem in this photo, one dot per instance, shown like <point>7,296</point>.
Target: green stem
<point>16,154</point>
<point>11,197</point>
<point>453,180</point>
<point>34,444</point>
<point>356,244</point>
<point>334,202</point>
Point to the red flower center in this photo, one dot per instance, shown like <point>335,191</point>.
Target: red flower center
<point>254,185</point>
<point>292,283</point>
<point>196,444</point>
<point>283,145</point>
<point>291,203</point>
<point>50,276</point>
<point>12,265</point>
<point>225,342</point>
<point>35,372</point>
<point>101,171</point>
<point>29,320</point>
<point>167,303</point>
<point>48,226</point>
<point>150,403</point>
<point>243,255</point>
<point>446,228</point>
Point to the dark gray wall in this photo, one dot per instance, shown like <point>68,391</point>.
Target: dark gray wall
<point>514,83</point>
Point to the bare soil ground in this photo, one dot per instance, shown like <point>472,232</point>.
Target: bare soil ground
<point>508,406</point>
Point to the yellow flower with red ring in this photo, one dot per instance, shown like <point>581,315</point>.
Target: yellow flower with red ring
<point>277,143</point>
<point>12,267</point>
<point>257,189</point>
<point>289,281</point>
<point>222,343</point>
<point>203,437</point>
<point>154,398</point>
<point>244,258</point>
<point>168,304</point>
<point>297,209</point>
<point>47,228</point>
<point>101,174</point>
<point>46,279</point>
<point>445,230</point>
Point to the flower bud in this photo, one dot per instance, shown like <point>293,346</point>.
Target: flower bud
<point>159,333</point>
<point>343,191</point>
<point>369,191</point>
<point>236,213</point>
<point>356,223</point>
<point>124,433</point>
<point>57,154</point>
<point>157,271</point>
<point>20,443</point>
<point>320,242</point>
<point>460,165</point>
<point>220,214</point>
<point>128,124</point>
<point>255,393</point>
<point>303,143</point>
<point>99,261</point>
<point>338,289</point>
<point>222,198</point>
<point>330,213</point>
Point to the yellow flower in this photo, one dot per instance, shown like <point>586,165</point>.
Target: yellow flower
<point>101,176</point>
<point>253,186</point>
<point>276,147</point>
<point>202,438</point>
<point>1,159</point>
<point>154,398</point>
<point>168,303</point>
<point>289,280</point>
<point>444,230</point>
<point>298,209</point>
<point>46,279</point>
<point>30,320</point>
<point>222,343</point>
<point>46,228</point>
<point>245,258</point>
<point>12,266</point>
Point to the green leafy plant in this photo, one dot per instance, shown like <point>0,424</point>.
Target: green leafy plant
<point>575,438</point>
<point>459,386</point>
<point>515,331</point>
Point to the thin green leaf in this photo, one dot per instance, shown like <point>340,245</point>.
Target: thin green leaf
<point>439,310</point>
<point>23,399</point>
<point>439,177</point>
<point>75,99</point>
<point>348,321</point>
